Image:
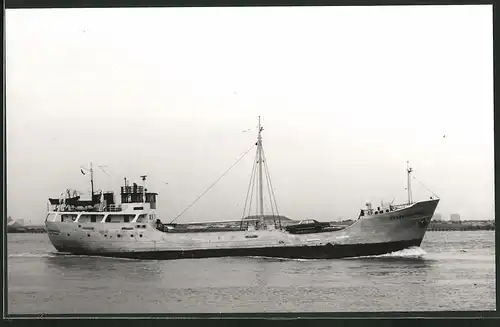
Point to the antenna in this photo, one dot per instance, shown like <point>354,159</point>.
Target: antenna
<point>102,168</point>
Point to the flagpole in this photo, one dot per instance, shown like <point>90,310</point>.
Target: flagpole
<point>91,182</point>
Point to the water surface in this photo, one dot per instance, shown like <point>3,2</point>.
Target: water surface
<point>450,271</point>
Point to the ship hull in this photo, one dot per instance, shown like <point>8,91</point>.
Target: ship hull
<point>328,251</point>
<point>373,235</point>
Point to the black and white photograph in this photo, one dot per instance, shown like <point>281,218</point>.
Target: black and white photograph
<point>313,159</point>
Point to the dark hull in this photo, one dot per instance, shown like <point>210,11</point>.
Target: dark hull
<point>292,252</point>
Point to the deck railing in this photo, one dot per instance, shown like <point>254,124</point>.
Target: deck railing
<point>96,208</point>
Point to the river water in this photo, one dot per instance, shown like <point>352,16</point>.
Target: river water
<point>450,271</point>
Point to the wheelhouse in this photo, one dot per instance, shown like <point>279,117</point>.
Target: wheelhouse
<point>136,205</point>
<point>137,194</point>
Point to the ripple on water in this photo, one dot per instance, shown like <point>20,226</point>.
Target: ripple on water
<point>436,276</point>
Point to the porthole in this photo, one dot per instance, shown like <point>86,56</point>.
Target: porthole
<point>68,234</point>
<point>118,235</point>
<point>387,210</point>
<point>105,235</point>
<point>131,235</point>
<point>140,235</point>
<point>88,235</point>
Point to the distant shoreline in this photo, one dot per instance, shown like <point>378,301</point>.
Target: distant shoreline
<point>450,227</point>
<point>30,230</point>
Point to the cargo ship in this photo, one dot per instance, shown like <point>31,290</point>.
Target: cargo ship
<point>130,228</point>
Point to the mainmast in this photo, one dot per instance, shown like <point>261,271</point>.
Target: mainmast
<point>408,171</point>
<point>256,186</point>
<point>259,149</point>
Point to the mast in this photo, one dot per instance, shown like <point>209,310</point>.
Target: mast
<point>143,177</point>
<point>91,182</point>
<point>408,171</point>
<point>259,149</point>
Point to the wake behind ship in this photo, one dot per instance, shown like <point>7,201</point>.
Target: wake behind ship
<point>131,229</point>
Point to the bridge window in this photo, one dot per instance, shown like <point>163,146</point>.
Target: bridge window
<point>135,194</point>
<point>89,218</point>
<point>111,218</point>
<point>68,217</point>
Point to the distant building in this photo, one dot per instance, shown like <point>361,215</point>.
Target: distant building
<point>455,217</point>
<point>437,217</point>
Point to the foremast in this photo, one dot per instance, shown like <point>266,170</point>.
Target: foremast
<point>409,170</point>
<point>260,188</point>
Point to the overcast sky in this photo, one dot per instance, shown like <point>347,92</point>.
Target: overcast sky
<point>346,95</point>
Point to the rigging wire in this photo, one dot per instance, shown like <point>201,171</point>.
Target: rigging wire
<point>270,183</point>
<point>251,192</point>
<point>213,184</point>
<point>104,171</point>
<point>425,187</point>
<point>268,186</point>
<point>249,186</point>
<point>271,199</point>
<point>271,186</point>
<point>256,202</point>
